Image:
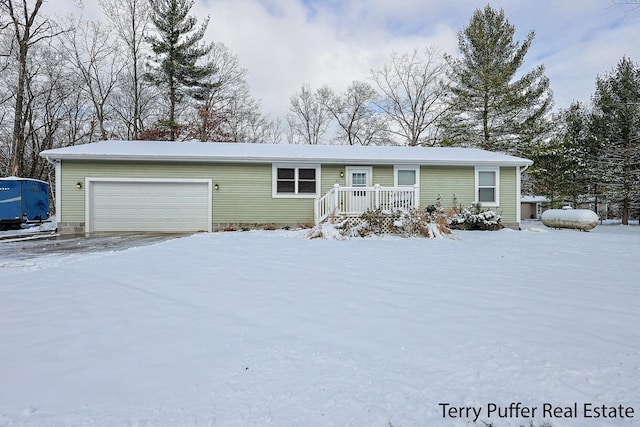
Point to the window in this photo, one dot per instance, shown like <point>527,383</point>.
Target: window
<point>307,181</point>
<point>295,181</point>
<point>359,179</point>
<point>487,186</point>
<point>286,180</point>
<point>359,176</point>
<point>405,176</point>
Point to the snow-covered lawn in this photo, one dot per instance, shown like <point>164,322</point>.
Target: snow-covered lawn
<point>268,328</point>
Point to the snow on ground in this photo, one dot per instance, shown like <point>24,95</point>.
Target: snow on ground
<point>268,328</point>
<point>50,225</point>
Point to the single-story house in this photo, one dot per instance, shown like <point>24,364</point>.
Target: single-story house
<point>533,206</point>
<point>156,186</point>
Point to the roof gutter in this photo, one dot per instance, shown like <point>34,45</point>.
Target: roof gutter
<point>51,162</point>
<point>244,159</point>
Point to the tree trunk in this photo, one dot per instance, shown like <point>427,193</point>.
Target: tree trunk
<point>22,32</point>
<point>136,83</point>
<point>172,110</point>
<point>18,127</point>
<point>485,123</point>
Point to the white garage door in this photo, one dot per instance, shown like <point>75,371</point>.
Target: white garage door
<point>148,205</point>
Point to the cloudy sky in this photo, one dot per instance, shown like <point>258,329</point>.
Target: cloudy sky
<point>287,43</point>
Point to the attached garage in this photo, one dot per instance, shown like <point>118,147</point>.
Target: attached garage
<point>159,205</point>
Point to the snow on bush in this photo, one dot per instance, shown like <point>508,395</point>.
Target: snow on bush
<point>330,230</point>
<point>327,230</point>
<point>473,218</point>
<point>427,222</point>
<point>374,221</point>
<point>430,222</point>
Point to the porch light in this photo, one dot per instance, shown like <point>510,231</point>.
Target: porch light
<point>78,185</point>
<point>216,186</point>
<point>341,174</point>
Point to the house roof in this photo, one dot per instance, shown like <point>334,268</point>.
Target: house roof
<point>534,199</point>
<point>259,153</point>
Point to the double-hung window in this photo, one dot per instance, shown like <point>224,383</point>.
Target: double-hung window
<point>295,180</point>
<point>488,186</point>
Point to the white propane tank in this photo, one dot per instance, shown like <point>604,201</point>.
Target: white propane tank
<point>580,219</point>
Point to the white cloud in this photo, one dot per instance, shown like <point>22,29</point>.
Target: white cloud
<point>283,51</point>
<point>287,43</point>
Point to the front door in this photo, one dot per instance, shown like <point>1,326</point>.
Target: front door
<point>359,201</point>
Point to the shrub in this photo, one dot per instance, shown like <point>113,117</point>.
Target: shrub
<point>333,229</point>
<point>474,218</point>
<point>427,222</point>
<point>374,222</point>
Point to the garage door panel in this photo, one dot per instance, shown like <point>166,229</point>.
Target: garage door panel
<point>149,206</point>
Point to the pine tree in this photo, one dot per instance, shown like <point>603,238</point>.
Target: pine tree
<point>489,107</point>
<point>178,49</point>
<point>616,123</point>
<point>566,167</point>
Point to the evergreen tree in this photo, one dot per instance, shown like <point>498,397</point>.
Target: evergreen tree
<point>616,122</point>
<point>489,107</point>
<point>178,49</point>
<point>566,167</point>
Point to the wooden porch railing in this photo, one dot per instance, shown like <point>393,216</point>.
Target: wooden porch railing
<point>353,201</point>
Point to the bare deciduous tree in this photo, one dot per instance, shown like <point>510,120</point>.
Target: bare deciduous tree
<point>27,31</point>
<point>358,123</point>
<point>130,19</point>
<point>308,119</point>
<point>412,93</point>
<point>226,111</point>
<point>99,65</point>
<point>55,110</point>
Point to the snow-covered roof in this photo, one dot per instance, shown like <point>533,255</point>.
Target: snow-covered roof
<point>258,153</point>
<point>534,199</point>
<point>15,178</point>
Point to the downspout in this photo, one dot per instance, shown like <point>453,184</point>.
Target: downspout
<point>519,192</point>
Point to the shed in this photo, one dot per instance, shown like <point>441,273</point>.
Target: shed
<point>157,186</point>
<point>533,206</point>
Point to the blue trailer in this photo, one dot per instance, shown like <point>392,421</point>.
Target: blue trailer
<point>23,201</point>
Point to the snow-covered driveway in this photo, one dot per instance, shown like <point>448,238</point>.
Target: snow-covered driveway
<point>27,246</point>
<point>267,328</point>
